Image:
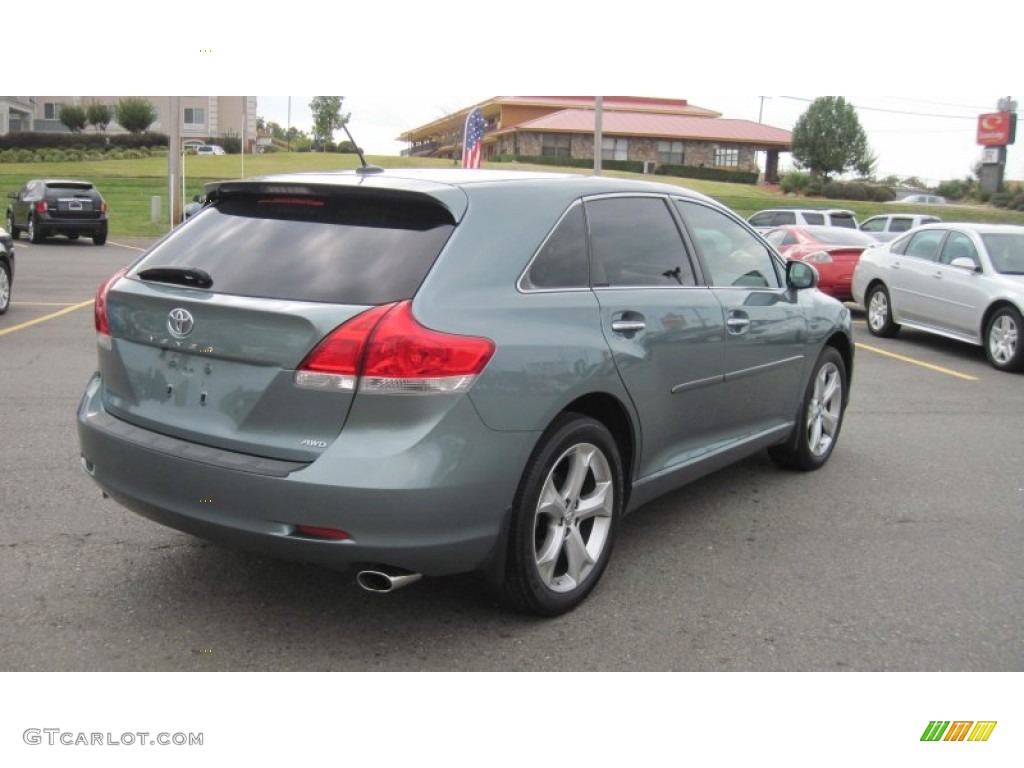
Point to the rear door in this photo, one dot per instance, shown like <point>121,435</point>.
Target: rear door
<point>913,284</point>
<point>665,331</point>
<point>214,364</point>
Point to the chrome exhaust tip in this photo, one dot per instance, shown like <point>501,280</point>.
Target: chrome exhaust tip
<point>383,580</point>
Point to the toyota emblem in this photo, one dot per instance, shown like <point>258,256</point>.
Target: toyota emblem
<point>180,322</point>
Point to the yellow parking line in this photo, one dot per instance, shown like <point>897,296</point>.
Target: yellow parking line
<point>41,303</point>
<point>912,361</point>
<point>44,318</point>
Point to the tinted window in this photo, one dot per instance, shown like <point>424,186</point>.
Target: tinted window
<point>733,255</point>
<point>843,220</point>
<point>814,218</point>
<point>901,224</point>
<point>762,219</point>
<point>351,249</point>
<point>782,218</point>
<point>634,241</point>
<point>1006,251</point>
<point>562,260</point>
<point>925,245</point>
<point>873,225</point>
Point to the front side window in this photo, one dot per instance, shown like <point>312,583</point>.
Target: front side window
<point>958,246</point>
<point>613,148</point>
<point>635,243</point>
<point>764,219</point>
<point>784,218</point>
<point>561,261</point>
<point>727,156</point>
<point>873,225</point>
<point>670,152</point>
<point>733,255</point>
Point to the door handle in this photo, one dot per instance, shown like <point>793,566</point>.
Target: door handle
<point>738,323</point>
<point>628,326</point>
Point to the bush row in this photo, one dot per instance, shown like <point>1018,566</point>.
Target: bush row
<point>633,166</point>
<point>797,183</point>
<point>75,155</point>
<point>81,142</point>
<point>1012,201</point>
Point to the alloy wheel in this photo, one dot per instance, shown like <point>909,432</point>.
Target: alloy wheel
<point>1002,339</point>
<point>825,409</point>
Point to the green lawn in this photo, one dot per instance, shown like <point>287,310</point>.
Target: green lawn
<point>128,185</point>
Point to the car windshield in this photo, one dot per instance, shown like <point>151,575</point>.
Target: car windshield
<point>1006,251</point>
<point>70,185</point>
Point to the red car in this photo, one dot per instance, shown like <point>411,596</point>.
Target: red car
<point>834,251</point>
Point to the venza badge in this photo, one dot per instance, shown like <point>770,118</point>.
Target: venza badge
<point>180,322</point>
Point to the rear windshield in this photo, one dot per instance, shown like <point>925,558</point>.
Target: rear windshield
<point>70,186</point>
<point>351,249</point>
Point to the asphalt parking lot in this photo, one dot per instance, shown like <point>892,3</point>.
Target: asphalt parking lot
<point>903,553</point>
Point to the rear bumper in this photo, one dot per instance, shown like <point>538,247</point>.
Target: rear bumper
<point>445,517</point>
<point>49,226</point>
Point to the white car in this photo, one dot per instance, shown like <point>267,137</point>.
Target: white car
<point>781,217</point>
<point>210,149</point>
<point>922,200</point>
<point>889,226</point>
<point>961,281</point>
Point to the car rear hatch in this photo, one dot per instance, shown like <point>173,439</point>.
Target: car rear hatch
<point>207,329</point>
<point>73,200</point>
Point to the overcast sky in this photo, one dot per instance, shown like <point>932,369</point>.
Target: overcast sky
<point>403,64</point>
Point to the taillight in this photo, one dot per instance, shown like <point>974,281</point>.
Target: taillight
<point>100,308</point>
<point>41,206</point>
<point>103,207</point>
<point>385,350</point>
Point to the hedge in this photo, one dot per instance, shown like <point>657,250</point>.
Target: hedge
<point>708,174</point>
<point>81,141</point>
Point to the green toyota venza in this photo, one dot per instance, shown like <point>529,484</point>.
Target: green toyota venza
<point>428,372</point>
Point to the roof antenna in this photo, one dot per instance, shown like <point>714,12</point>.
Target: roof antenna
<point>365,168</point>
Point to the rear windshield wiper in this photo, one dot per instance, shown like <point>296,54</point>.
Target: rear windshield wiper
<point>194,278</point>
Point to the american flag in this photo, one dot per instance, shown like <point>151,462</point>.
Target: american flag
<point>473,139</point>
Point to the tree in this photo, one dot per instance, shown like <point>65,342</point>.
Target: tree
<point>327,118</point>
<point>99,115</point>
<point>828,139</point>
<point>135,114</point>
<point>73,118</point>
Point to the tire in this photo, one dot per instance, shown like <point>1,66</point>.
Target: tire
<point>565,517</point>
<point>72,237</point>
<point>99,239</point>
<point>879,306</point>
<point>13,230</point>
<point>821,416</point>
<point>34,234</point>
<point>1004,346</point>
<point>5,288</point>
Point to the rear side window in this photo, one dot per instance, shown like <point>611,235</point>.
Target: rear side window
<point>843,220</point>
<point>348,249</point>
<point>783,218</point>
<point>901,224</point>
<point>814,218</point>
<point>925,245</point>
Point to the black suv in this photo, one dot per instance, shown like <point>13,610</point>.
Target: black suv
<point>45,207</point>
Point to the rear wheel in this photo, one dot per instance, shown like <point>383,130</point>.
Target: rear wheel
<point>1003,343</point>
<point>72,237</point>
<point>880,321</point>
<point>565,517</point>
<point>100,239</point>
<point>35,235</point>
<point>821,416</point>
<point>5,287</point>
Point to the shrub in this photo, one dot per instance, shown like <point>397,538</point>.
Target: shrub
<point>879,194</point>
<point>1000,199</point>
<point>795,182</point>
<point>832,189</point>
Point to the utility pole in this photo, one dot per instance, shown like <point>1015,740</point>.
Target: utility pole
<point>760,111</point>
<point>174,162</point>
<point>598,117</point>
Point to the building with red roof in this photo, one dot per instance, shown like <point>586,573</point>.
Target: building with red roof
<point>651,131</point>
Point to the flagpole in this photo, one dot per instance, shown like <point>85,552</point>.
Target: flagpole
<point>465,133</point>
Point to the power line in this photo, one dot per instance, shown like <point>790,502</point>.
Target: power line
<point>894,111</point>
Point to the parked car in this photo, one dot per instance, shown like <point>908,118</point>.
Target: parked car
<point>781,217</point>
<point>921,200</point>
<point>834,251</point>
<point>482,372</point>
<point>210,149</point>
<point>47,207</point>
<point>961,281</point>
<point>6,270</point>
<point>890,226</point>
<point>196,205</point>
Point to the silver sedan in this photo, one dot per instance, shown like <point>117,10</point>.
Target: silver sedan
<point>962,281</point>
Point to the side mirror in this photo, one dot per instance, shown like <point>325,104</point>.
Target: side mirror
<point>800,275</point>
<point>963,262</point>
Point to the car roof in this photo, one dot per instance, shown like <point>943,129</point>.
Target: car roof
<point>982,228</point>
